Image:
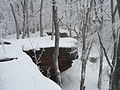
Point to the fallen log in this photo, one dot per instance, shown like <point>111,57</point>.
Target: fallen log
<point>6,43</point>
<point>7,59</point>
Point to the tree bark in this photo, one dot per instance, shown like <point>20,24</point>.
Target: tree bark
<point>16,22</point>
<point>41,27</point>
<point>32,11</point>
<point>27,26</point>
<point>116,69</point>
<point>101,50</point>
<point>118,4</point>
<point>56,49</point>
<point>115,72</point>
<point>100,69</point>
<point>84,54</point>
<point>53,26</point>
<point>25,18</point>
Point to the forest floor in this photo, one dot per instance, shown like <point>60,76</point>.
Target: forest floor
<point>70,78</point>
<point>21,73</point>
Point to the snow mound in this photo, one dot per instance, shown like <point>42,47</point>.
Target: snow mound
<point>21,73</point>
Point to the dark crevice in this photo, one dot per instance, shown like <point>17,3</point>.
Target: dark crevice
<point>45,57</point>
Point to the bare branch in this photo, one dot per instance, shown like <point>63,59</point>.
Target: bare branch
<point>108,61</point>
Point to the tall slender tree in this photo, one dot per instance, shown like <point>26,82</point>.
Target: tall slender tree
<point>16,22</point>
<point>41,27</point>
<point>115,74</point>
<point>118,5</point>
<point>85,55</point>
<point>56,48</point>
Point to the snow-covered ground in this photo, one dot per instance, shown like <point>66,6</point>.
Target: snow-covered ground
<point>71,77</point>
<point>37,42</point>
<point>21,73</point>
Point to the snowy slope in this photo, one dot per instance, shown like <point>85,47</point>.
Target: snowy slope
<point>21,73</point>
<point>37,42</point>
<point>71,77</point>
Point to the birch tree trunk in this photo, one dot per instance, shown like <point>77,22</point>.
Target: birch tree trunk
<point>118,5</point>
<point>100,69</point>
<point>26,12</point>
<point>41,27</point>
<point>16,22</point>
<point>115,72</point>
<point>114,49</point>
<point>24,20</point>
<point>84,48</point>
<point>83,70</point>
<point>32,11</point>
<point>101,50</point>
<point>56,49</point>
<point>53,26</point>
<point>115,76</point>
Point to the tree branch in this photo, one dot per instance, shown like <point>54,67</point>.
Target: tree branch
<point>108,61</point>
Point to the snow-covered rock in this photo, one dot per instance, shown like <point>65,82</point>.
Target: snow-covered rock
<point>37,42</point>
<point>21,73</point>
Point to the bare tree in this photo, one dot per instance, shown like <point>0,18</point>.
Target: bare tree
<point>56,48</point>
<point>84,46</point>
<point>32,13</point>
<point>25,29</point>
<point>100,28</point>
<point>53,26</point>
<point>118,5</point>
<point>16,22</point>
<point>27,22</point>
<point>41,27</point>
<point>115,75</point>
<point>115,72</point>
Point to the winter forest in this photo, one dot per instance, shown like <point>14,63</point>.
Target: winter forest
<point>59,44</point>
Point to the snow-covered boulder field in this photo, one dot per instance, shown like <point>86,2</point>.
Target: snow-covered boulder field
<point>21,73</point>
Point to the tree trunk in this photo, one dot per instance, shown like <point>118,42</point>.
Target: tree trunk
<point>24,20</point>
<point>118,4</point>
<point>100,68</point>
<point>116,69</point>
<point>83,72</point>
<point>53,26</point>
<point>27,26</point>
<point>101,50</point>
<point>115,72</point>
<point>16,22</point>
<point>32,11</point>
<point>41,27</point>
<point>56,49</point>
<point>115,44</point>
<point>84,54</point>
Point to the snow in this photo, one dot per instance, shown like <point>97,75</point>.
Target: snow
<point>61,30</point>
<point>21,73</point>
<point>37,42</point>
<point>71,77</point>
